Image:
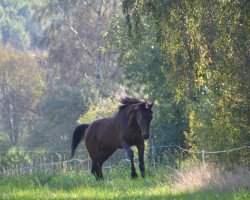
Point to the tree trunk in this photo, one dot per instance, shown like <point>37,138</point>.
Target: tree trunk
<point>6,110</point>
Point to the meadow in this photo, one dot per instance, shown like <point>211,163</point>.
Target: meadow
<point>116,185</point>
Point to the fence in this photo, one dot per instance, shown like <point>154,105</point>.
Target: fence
<point>58,163</point>
<point>61,164</point>
<point>203,152</point>
<point>50,168</point>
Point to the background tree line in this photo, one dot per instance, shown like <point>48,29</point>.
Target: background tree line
<point>64,62</point>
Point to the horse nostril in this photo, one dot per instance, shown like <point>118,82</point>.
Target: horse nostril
<point>145,137</point>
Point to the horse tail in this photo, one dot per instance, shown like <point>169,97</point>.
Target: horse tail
<point>78,135</point>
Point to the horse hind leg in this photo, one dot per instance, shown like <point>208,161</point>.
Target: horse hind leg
<point>105,154</point>
<point>97,163</point>
<point>96,170</point>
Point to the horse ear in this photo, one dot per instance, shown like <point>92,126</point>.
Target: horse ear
<point>150,105</point>
<point>146,105</point>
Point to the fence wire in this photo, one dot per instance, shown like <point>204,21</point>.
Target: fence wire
<point>83,165</point>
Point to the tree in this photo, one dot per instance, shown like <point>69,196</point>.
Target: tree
<point>22,84</point>
<point>77,44</point>
<point>78,71</point>
<point>204,45</point>
<point>16,25</point>
<point>59,110</point>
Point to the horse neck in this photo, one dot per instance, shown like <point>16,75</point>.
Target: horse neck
<point>129,119</point>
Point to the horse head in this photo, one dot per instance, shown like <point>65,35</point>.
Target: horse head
<point>144,115</point>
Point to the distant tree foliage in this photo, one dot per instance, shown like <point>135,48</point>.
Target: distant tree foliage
<point>106,107</point>
<point>67,59</point>
<point>59,110</point>
<point>21,86</point>
<point>76,38</point>
<point>17,27</point>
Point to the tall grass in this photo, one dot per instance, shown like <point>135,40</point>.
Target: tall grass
<point>117,185</point>
<point>211,177</point>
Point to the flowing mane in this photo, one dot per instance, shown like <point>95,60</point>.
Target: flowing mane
<point>129,101</point>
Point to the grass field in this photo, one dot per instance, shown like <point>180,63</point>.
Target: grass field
<point>117,185</point>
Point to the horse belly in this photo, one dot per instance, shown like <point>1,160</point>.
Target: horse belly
<point>108,140</point>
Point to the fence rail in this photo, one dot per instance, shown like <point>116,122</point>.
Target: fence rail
<point>47,166</point>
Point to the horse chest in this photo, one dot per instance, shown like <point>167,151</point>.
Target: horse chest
<point>133,139</point>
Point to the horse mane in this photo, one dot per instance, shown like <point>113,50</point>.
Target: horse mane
<point>127,101</point>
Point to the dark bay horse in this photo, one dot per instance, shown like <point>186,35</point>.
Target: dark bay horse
<point>130,126</point>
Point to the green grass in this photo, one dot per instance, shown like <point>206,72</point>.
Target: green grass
<point>117,185</point>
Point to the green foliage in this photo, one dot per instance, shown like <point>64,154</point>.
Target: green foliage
<point>79,44</point>
<point>202,83</point>
<point>11,156</point>
<point>60,108</point>
<point>45,91</point>
<point>103,108</point>
<point>190,57</point>
<point>16,25</point>
<point>146,66</point>
<point>22,85</point>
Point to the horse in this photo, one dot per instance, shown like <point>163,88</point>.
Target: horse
<point>130,126</point>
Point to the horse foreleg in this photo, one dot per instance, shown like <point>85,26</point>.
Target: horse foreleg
<point>141,159</point>
<point>130,154</point>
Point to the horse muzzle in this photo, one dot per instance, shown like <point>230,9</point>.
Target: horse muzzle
<point>145,136</point>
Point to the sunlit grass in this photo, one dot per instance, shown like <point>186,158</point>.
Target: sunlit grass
<point>117,185</point>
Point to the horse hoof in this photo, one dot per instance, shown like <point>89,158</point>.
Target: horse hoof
<point>134,175</point>
<point>99,178</point>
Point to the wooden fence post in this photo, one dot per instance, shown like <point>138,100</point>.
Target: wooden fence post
<point>44,165</point>
<point>203,160</point>
<point>52,165</point>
